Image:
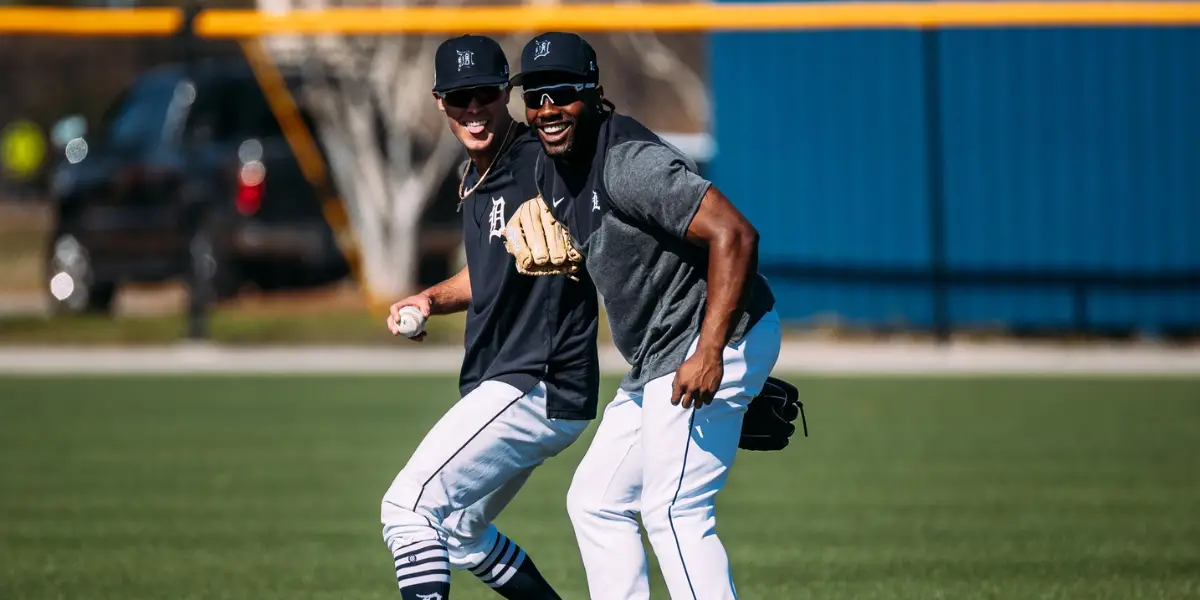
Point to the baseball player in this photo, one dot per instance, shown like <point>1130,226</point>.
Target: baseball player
<point>676,265</point>
<point>530,374</point>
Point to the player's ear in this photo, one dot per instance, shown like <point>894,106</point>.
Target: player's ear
<point>441,107</point>
<point>600,101</point>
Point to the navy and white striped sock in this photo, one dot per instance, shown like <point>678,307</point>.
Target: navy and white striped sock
<point>509,571</point>
<point>500,565</point>
<point>423,570</point>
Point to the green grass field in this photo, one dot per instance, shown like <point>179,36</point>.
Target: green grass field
<point>259,488</point>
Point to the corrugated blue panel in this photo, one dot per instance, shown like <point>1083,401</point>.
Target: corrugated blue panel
<point>818,143</point>
<point>1072,149</point>
<point>1144,310</point>
<point>1048,307</point>
<point>858,305</point>
<point>1065,151</point>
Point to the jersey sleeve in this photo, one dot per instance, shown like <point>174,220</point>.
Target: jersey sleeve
<point>654,183</point>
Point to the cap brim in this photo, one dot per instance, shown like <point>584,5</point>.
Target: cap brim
<point>518,80</point>
<point>470,82</point>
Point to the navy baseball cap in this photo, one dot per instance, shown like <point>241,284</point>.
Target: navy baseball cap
<point>469,61</point>
<point>559,52</point>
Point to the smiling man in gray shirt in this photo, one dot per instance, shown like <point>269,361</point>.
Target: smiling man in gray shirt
<point>676,265</point>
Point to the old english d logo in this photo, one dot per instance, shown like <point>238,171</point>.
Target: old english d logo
<point>466,58</point>
<point>496,219</point>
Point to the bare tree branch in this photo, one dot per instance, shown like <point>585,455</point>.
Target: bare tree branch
<point>388,151</point>
<point>663,64</point>
<point>658,61</point>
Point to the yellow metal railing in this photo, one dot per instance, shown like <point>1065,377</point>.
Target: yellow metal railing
<point>217,23</point>
<point>90,21</point>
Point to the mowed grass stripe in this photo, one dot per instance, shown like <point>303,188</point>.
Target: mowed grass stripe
<point>269,487</point>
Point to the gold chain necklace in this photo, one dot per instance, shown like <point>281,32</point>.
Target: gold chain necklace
<point>467,167</point>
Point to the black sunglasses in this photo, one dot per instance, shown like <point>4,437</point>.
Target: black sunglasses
<point>559,94</point>
<point>486,94</point>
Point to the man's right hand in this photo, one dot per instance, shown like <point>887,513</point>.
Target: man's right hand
<point>421,301</point>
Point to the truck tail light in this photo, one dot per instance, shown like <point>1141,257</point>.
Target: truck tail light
<point>251,182</point>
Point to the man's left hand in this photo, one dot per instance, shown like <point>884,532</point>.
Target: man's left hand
<point>698,378</point>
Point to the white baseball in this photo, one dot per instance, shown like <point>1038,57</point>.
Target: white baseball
<point>412,322</point>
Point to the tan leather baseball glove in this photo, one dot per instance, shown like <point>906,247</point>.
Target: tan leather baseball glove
<point>540,245</point>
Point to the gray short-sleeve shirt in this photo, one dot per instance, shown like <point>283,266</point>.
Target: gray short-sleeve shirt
<point>629,211</point>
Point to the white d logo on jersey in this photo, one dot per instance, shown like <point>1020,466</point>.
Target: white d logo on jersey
<point>595,201</point>
<point>497,219</point>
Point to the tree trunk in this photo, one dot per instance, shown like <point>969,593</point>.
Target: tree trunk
<point>390,270</point>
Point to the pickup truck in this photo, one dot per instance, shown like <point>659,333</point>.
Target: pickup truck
<point>187,177</point>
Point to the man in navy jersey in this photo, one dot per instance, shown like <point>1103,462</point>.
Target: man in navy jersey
<point>530,374</point>
<point>676,264</point>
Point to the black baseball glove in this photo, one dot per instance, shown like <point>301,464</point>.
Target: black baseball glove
<point>768,422</point>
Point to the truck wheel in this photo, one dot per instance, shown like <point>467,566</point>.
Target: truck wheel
<point>70,284</point>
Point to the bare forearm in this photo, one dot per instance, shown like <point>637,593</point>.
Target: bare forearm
<point>731,260</point>
<point>452,295</point>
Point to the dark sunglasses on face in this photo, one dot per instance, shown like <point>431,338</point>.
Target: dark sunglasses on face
<point>559,94</point>
<point>462,98</point>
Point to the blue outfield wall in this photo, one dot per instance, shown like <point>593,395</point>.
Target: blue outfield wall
<point>1068,162</point>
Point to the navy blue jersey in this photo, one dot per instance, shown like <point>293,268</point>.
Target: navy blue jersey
<point>523,329</point>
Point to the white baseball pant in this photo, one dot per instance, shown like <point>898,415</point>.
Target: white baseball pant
<point>469,467</point>
<point>667,463</point>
